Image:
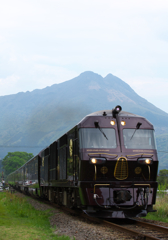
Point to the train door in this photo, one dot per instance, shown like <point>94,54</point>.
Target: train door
<point>72,159</point>
<point>75,158</point>
<point>53,162</point>
<point>44,175</point>
<point>62,158</point>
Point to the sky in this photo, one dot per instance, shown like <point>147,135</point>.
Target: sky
<point>43,42</point>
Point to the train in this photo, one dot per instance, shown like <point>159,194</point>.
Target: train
<point>105,165</point>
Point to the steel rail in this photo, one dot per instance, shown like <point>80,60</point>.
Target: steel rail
<point>150,225</point>
<point>130,231</point>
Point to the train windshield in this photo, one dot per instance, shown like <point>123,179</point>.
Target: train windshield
<point>94,138</point>
<point>139,139</point>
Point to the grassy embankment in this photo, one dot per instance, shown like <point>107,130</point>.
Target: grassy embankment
<point>19,220</point>
<point>162,209</point>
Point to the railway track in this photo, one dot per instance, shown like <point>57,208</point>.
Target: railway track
<point>137,229</point>
<point>133,227</point>
<point>140,229</point>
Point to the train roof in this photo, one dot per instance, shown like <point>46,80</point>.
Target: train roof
<point>109,113</point>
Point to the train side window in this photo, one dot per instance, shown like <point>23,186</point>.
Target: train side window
<point>62,156</point>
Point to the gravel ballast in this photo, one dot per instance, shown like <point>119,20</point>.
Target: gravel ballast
<point>80,228</point>
<point>77,227</point>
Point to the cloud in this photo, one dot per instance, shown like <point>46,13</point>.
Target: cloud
<point>51,74</point>
<point>39,77</point>
<point>53,41</point>
<point>152,89</point>
<point>9,85</point>
<point>148,86</point>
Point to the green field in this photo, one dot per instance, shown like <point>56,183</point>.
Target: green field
<point>162,209</point>
<point>19,220</point>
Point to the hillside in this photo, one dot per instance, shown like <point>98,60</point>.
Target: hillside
<point>35,119</point>
<point>162,146</point>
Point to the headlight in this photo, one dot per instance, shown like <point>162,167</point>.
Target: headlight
<point>112,122</point>
<point>147,161</point>
<point>93,160</point>
<point>97,160</point>
<point>123,123</point>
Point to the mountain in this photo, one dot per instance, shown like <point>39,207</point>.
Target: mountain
<point>35,119</point>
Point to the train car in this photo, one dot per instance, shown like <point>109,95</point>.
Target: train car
<point>25,179</point>
<point>31,173</point>
<point>106,165</point>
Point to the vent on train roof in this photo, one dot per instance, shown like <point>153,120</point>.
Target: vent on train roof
<point>121,169</point>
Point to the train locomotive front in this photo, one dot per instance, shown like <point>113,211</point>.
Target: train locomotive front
<point>118,164</point>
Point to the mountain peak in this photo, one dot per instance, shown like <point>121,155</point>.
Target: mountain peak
<point>90,75</point>
<point>39,117</point>
<point>109,75</point>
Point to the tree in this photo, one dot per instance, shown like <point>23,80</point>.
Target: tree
<point>163,177</point>
<point>13,160</point>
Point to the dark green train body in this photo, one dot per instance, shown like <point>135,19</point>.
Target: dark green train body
<point>106,165</point>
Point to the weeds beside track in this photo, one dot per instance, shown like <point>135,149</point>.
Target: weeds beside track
<point>19,220</point>
<point>162,209</point>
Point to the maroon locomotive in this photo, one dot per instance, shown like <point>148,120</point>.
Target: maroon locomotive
<point>106,165</point>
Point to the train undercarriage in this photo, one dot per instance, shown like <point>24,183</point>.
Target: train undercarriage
<point>101,199</point>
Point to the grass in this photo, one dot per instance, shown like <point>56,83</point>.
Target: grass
<point>162,209</point>
<point>19,220</point>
